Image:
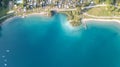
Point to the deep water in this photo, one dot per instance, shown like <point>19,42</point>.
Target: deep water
<point>37,41</point>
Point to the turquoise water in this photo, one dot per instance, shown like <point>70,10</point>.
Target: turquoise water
<point>37,41</point>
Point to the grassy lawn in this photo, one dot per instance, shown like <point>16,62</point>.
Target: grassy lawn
<point>103,11</point>
<point>3,11</point>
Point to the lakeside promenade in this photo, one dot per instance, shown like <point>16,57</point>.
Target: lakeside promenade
<point>102,17</point>
<point>45,12</point>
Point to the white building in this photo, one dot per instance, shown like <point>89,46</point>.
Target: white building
<point>19,1</point>
<point>49,1</point>
<point>11,4</point>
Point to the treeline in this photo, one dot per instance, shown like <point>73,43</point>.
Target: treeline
<point>4,3</point>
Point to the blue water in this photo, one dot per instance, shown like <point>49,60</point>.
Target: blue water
<point>37,41</point>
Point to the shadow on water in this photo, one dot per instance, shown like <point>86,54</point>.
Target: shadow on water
<point>53,30</point>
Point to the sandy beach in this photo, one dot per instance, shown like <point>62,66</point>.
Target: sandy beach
<point>41,14</point>
<point>84,20</point>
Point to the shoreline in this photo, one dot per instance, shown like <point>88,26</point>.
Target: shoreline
<point>44,14</point>
<point>26,15</point>
<point>40,14</point>
<point>86,20</point>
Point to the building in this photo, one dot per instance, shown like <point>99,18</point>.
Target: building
<point>19,1</point>
<point>85,1</point>
<point>11,4</point>
<point>49,1</point>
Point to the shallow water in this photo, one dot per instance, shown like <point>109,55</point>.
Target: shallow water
<point>37,41</point>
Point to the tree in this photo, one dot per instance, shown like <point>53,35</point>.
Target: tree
<point>0,3</point>
<point>24,2</point>
<point>38,2</point>
<point>5,3</point>
<point>110,2</point>
<point>117,2</point>
<point>97,1</point>
<point>102,1</point>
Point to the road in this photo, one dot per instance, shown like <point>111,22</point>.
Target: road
<point>58,10</point>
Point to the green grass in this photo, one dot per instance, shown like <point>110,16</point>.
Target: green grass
<point>104,11</point>
<point>88,17</point>
<point>3,11</point>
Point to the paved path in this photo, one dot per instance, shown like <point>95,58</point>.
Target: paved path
<point>102,17</point>
<point>57,9</point>
<point>88,7</point>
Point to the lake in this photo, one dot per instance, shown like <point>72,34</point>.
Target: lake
<point>36,41</point>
